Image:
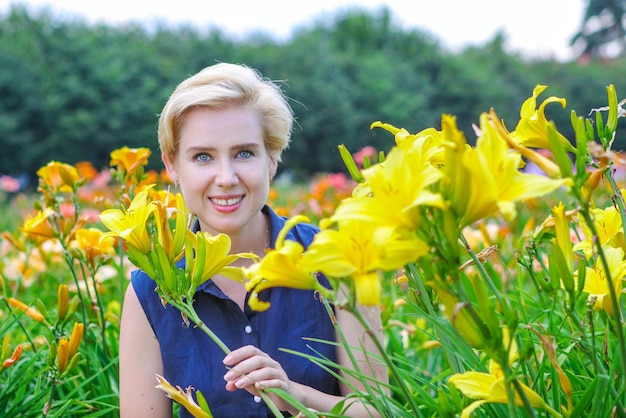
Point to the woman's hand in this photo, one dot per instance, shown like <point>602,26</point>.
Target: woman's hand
<point>253,370</point>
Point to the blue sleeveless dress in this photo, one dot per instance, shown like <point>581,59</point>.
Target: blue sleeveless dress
<point>190,357</point>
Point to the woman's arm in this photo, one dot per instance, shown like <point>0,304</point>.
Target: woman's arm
<point>140,361</point>
<point>252,369</point>
<point>368,358</point>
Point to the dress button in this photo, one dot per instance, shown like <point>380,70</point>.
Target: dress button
<point>248,329</point>
<point>257,399</point>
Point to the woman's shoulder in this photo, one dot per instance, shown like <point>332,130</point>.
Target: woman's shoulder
<point>301,232</point>
<point>142,283</point>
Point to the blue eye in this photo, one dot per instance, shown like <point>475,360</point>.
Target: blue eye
<point>245,154</point>
<point>202,157</point>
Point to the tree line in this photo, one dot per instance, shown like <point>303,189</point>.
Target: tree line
<point>73,91</point>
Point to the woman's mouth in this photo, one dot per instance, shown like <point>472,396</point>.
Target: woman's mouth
<point>231,201</point>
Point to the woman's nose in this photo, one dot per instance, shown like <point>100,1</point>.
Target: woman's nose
<point>226,174</point>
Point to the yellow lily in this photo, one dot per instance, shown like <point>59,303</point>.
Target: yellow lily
<point>211,257</point>
<point>597,285</point>
<point>91,243</point>
<point>490,387</point>
<point>39,225</point>
<point>360,250</point>
<point>532,128</point>
<point>58,177</point>
<point>495,180</point>
<point>130,225</point>
<point>397,188</point>
<point>608,225</point>
<point>402,135</point>
<point>171,243</point>
<point>184,398</point>
<point>487,388</point>
<point>280,267</point>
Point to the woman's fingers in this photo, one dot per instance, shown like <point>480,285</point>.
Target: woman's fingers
<point>253,369</point>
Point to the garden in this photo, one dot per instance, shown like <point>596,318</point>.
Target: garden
<point>497,262</point>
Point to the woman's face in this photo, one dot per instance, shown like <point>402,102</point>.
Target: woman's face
<point>224,169</point>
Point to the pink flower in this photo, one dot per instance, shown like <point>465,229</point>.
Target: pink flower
<point>368,151</point>
<point>9,184</point>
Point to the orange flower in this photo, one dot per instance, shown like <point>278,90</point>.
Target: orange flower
<point>86,170</point>
<point>129,160</point>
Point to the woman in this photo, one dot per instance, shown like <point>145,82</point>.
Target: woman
<point>221,135</point>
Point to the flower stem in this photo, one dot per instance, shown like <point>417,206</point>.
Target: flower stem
<point>186,307</point>
<point>614,297</point>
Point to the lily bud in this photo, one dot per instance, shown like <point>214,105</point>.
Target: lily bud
<point>75,339</point>
<point>32,312</point>
<point>62,301</point>
<point>62,355</point>
<point>17,353</point>
<point>348,160</point>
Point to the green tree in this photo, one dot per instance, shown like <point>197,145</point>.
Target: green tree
<point>602,33</point>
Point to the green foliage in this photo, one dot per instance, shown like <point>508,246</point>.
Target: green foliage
<point>72,91</point>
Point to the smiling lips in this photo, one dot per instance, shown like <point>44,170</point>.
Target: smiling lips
<point>226,204</point>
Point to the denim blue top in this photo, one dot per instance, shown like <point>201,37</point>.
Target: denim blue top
<point>190,357</point>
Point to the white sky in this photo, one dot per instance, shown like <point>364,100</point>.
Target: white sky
<point>536,28</point>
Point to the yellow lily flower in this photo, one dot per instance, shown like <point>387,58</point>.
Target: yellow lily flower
<point>532,128</point>
<point>597,285</point>
<point>360,250</point>
<point>58,177</point>
<point>93,245</point>
<point>130,225</point>
<point>183,397</point>
<point>280,267</point>
<point>608,225</point>
<point>39,225</point>
<point>397,188</point>
<point>402,135</point>
<point>490,387</point>
<point>211,257</point>
<point>495,181</point>
<point>172,243</point>
<point>129,160</point>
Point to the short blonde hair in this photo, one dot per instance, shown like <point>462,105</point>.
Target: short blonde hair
<point>220,86</point>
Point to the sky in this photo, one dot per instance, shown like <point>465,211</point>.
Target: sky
<point>534,28</point>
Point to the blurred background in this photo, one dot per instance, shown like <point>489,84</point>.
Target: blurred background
<point>79,79</point>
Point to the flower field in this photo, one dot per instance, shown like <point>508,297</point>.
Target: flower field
<point>498,268</point>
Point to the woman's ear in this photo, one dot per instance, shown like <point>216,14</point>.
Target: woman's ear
<point>273,167</point>
<point>170,168</point>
